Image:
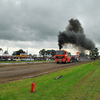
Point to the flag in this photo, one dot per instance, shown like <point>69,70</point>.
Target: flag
<point>50,52</point>
<point>7,50</point>
<point>27,52</point>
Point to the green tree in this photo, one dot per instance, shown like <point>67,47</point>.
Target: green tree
<point>53,52</point>
<point>30,54</point>
<point>5,52</point>
<point>48,52</point>
<point>14,53</point>
<point>82,54</point>
<point>42,52</point>
<point>18,52</point>
<point>1,49</point>
<point>94,53</point>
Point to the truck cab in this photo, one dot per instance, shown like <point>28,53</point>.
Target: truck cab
<point>62,56</point>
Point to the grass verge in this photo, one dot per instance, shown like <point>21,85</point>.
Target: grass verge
<point>25,61</point>
<point>78,83</point>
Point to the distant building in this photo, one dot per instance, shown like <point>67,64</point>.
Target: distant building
<point>1,52</point>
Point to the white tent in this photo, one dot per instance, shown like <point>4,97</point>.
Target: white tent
<point>2,54</point>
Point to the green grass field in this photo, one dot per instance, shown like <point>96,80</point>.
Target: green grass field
<point>78,83</point>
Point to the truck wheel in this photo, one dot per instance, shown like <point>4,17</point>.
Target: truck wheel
<point>57,62</point>
<point>71,61</point>
<point>66,61</point>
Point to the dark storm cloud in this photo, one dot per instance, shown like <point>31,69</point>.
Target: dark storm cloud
<point>40,20</point>
<point>30,20</point>
<point>25,22</point>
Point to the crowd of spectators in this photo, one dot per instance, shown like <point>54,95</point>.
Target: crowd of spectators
<point>13,58</point>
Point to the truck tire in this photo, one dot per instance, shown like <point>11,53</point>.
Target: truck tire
<point>66,61</point>
<point>71,60</point>
<point>76,60</point>
<point>57,62</point>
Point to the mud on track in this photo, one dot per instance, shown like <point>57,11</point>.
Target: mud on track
<point>21,71</point>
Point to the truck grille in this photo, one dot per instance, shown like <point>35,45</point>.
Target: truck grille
<point>59,57</point>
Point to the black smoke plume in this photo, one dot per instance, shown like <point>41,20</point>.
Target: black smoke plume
<point>74,34</point>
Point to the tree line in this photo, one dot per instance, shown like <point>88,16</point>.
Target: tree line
<point>42,52</point>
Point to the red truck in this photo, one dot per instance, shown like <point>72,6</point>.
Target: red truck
<point>62,56</point>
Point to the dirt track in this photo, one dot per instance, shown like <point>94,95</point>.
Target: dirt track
<point>20,71</point>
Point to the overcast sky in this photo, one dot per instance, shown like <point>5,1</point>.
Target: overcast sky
<point>34,24</point>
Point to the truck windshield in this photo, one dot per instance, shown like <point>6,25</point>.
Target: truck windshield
<point>60,52</point>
